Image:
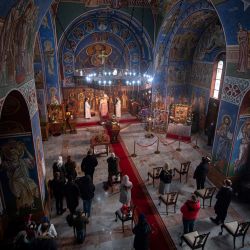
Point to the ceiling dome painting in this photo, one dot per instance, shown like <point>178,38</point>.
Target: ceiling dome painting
<point>104,39</point>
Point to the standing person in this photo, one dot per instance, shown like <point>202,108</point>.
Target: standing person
<point>125,190</point>
<point>87,192</point>
<point>141,231</point>
<point>113,167</point>
<point>201,172</point>
<point>165,180</point>
<point>117,107</point>
<point>71,193</point>
<point>89,164</point>
<point>190,211</point>
<point>57,186</point>
<point>210,133</point>
<point>79,225</point>
<point>87,109</point>
<point>224,197</point>
<point>70,168</point>
<point>58,166</point>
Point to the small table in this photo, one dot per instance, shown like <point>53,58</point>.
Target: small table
<point>56,128</point>
<point>97,141</point>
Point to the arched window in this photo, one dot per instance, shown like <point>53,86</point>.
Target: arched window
<point>215,90</point>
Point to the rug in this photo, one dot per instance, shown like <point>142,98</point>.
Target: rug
<point>160,238</point>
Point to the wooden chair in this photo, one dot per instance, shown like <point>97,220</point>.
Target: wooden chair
<point>205,194</point>
<point>183,170</point>
<point>169,199</point>
<point>236,229</point>
<point>126,217</point>
<point>195,240</point>
<point>155,174</point>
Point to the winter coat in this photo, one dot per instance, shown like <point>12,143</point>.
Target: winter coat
<point>88,164</point>
<point>112,165</point>
<point>201,170</point>
<point>60,170</point>
<point>86,187</point>
<point>71,192</point>
<point>223,197</point>
<point>166,176</point>
<point>190,210</point>
<point>70,168</point>
<point>141,232</point>
<point>125,194</point>
<point>57,187</point>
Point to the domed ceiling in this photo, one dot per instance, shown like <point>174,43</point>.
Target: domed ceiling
<point>104,38</point>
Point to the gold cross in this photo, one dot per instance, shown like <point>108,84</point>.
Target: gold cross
<point>103,56</point>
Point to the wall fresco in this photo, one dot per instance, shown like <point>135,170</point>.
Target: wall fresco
<point>113,45</point>
<point>224,135</point>
<point>240,155</point>
<point>49,50</point>
<point>39,155</point>
<point>18,175</point>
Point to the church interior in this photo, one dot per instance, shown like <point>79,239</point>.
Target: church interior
<point>153,82</point>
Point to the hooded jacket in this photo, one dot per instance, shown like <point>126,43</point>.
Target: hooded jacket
<point>190,210</point>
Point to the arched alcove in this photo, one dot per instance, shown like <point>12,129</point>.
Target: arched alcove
<point>19,179</point>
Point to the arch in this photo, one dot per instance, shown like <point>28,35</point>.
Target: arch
<point>15,114</point>
<point>121,34</point>
<point>19,177</point>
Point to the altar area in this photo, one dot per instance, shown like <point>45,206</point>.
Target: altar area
<point>180,121</point>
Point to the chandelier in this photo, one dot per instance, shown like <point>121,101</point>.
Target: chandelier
<point>109,77</point>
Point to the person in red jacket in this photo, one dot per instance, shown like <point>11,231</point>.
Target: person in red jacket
<point>190,210</point>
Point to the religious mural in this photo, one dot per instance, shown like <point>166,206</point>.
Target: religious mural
<point>18,175</point>
<point>224,136</point>
<point>243,37</point>
<point>16,43</point>
<point>39,155</point>
<point>211,43</point>
<point>41,102</point>
<point>240,156</point>
<point>112,45</point>
<point>48,48</point>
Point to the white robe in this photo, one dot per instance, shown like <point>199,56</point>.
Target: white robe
<point>87,110</point>
<point>118,109</point>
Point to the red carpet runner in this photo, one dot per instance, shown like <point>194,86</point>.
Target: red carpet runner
<point>96,123</point>
<point>160,237</point>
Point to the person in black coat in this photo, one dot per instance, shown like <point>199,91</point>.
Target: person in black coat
<point>87,192</point>
<point>210,133</point>
<point>113,167</point>
<point>71,193</point>
<point>70,168</point>
<point>201,172</point>
<point>141,231</point>
<point>59,167</point>
<point>223,197</point>
<point>57,186</point>
<point>89,164</point>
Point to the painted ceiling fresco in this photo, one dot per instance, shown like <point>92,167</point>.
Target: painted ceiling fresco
<point>107,40</point>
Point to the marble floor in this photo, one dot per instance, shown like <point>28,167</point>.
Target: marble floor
<point>102,231</point>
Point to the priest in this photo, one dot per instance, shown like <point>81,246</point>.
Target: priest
<point>87,109</point>
<point>117,107</point>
